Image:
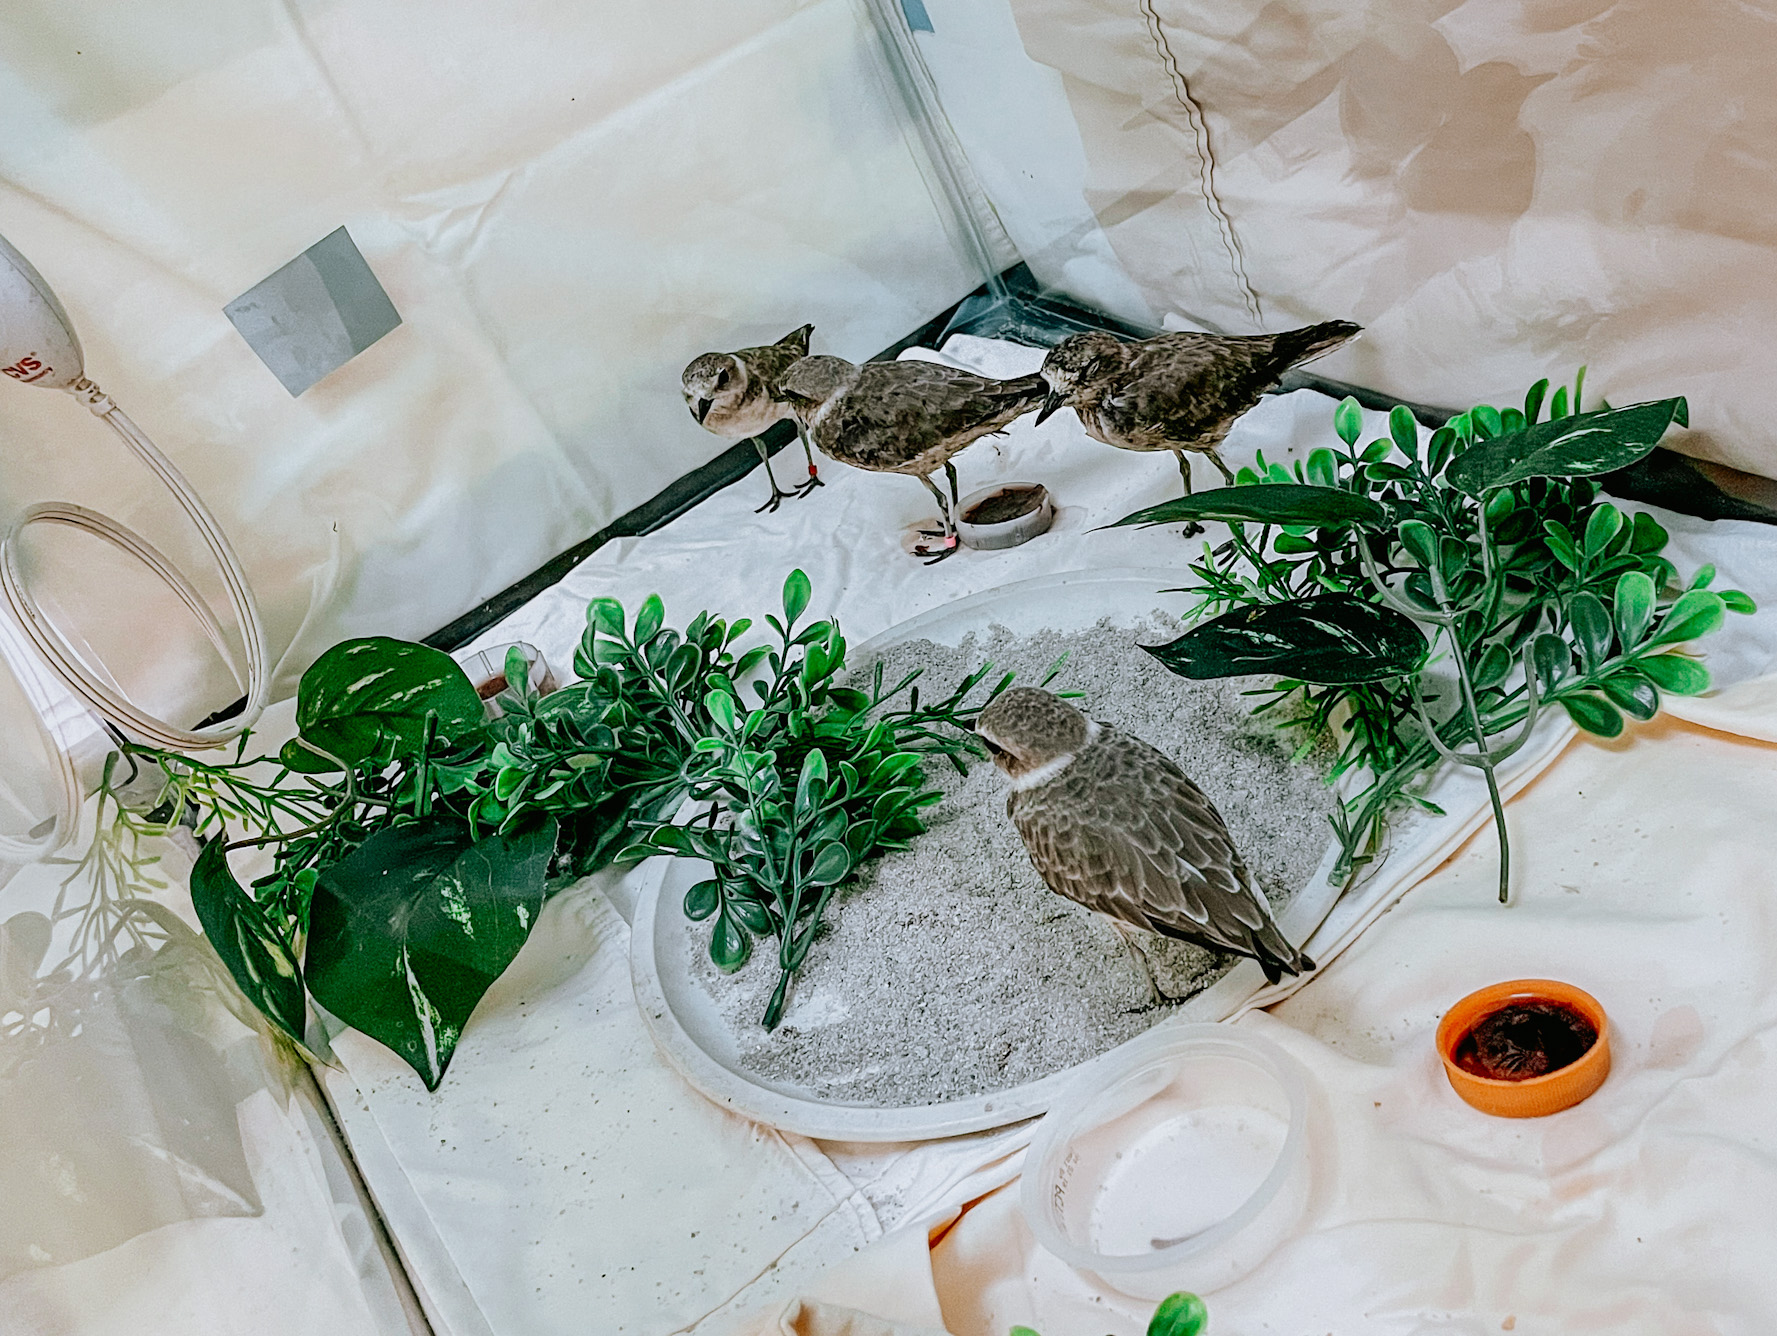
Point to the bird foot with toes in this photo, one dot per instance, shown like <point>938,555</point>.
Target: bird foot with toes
<point>946,547</point>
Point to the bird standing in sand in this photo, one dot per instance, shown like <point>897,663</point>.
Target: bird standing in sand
<point>904,417</point>
<point>735,395</point>
<point>1178,392</point>
<point>1114,825</point>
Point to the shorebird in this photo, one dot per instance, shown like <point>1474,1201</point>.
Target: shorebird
<point>904,417</point>
<point>735,396</point>
<point>1178,392</point>
<point>1114,825</point>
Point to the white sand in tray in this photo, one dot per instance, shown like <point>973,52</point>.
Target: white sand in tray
<point>948,969</point>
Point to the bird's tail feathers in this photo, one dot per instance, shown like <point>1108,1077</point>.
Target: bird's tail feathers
<point>1298,345</point>
<point>797,338</point>
<point>1276,956</point>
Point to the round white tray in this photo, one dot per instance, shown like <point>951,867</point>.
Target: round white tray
<point>698,1043</point>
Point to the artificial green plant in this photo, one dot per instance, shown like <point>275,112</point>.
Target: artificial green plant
<point>413,838</point>
<point>1353,577</point>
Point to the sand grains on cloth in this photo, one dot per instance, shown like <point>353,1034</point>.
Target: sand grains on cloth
<point>948,970</point>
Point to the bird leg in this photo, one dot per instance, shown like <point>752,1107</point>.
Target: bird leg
<point>1216,459</point>
<point>1140,958</point>
<point>814,474</point>
<point>955,505</point>
<point>1191,529</point>
<point>777,493</point>
<point>947,533</point>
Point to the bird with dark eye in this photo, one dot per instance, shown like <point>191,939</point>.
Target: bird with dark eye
<point>735,396</point>
<point>1116,826</point>
<point>1179,392</point>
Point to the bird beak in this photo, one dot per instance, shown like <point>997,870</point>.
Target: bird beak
<point>1050,404</point>
<point>701,410</point>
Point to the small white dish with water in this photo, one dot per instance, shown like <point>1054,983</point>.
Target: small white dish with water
<point>1178,1162</point>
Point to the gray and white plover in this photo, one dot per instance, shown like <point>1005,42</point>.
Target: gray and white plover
<point>1112,824</point>
<point>1178,392</point>
<point>735,396</point>
<point>907,417</point>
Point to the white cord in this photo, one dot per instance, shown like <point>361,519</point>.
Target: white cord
<point>105,701</point>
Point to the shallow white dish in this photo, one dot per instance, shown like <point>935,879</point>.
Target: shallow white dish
<point>998,536</point>
<point>1181,1166</point>
<point>696,1041</point>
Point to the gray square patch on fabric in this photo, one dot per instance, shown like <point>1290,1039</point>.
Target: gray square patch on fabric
<point>315,314</point>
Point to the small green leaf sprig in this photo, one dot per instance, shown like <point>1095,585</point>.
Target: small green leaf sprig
<point>1181,1314</point>
<point>802,787</point>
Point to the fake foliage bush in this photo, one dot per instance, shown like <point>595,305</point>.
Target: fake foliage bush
<point>1484,554</point>
<point>416,839</point>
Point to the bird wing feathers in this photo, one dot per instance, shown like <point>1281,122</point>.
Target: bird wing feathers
<point>1186,387</point>
<point>1125,832</point>
<point>902,413</point>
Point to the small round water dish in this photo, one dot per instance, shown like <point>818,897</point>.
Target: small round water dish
<point>487,670</point>
<point>1004,515</point>
<point>1525,1048</point>
<point>1176,1162</point>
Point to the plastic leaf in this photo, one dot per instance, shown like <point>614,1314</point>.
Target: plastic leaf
<point>1675,673</point>
<point>1272,503</point>
<point>648,619</point>
<point>1495,663</point>
<point>1561,544</point>
<point>1591,627</point>
<point>1533,400</point>
<point>370,698</point>
<point>606,614</point>
<point>1601,528</point>
<point>1633,694</point>
<point>1439,450</point>
<point>729,945</point>
<point>1569,447</point>
<point>1634,607</point>
<point>1696,614</point>
<point>1404,430</point>
<point>1647,535</point>
<point>1348,420</point>
<point>1322,469</point>
<point>1739,602</point>
<point>811,786</point>
<point>719,705</point>
<point>831,865</point>
<point>410,930</point>
<point>1332,640</point>
<point>702,899</point>
<point>1594,714</point>
<point>1182,1314</point>
<point>258,958</point>
<point>751,915</point>
<point>1553,660</point>
<point>1419,539</point>
<point>796,595</point>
